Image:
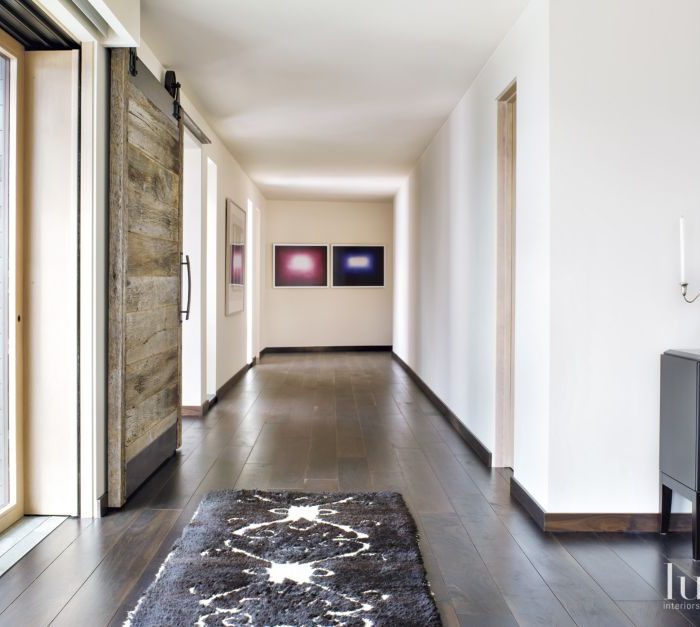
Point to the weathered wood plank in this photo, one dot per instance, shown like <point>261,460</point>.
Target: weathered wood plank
<point>116,464</point>
<point>154,430</point>
<point>148,256</point>
<point>146,152</point>
<point>141,418</point>
<point>151,332</point>
<point>148,376</point>
<point>181,153</point>
<point>152,198</point>
<point>146,293</point>
<point>152,131</point>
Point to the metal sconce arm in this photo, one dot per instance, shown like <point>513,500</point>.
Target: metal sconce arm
<point>684,294</point>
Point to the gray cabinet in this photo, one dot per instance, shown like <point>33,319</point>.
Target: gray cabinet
<point>680,415</point>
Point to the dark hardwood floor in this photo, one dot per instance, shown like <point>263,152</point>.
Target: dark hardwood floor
<point>354,421</point>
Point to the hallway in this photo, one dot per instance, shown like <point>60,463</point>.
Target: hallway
<point>352,422</point>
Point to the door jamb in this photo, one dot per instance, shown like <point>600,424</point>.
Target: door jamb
<point>505,276</point>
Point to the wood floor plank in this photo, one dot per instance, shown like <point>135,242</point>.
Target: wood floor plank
<point>15,581</point>
<point>56,585</point>
<point>611,573</point>
<point>653,614</point>
<point>323,452</point>
<point>472,590</point>
<point>353,474</point>
<point>528,596</point>
<point>141,583</point>
<point>585,601</point>
<point>424,488</point>
<point>354,422</point>
<point>321,485</point>
<point>103,592</point>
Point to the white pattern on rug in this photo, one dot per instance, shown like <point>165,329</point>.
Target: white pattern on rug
<point>300,518</point>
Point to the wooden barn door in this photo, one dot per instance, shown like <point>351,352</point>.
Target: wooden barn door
<point>145,339</point>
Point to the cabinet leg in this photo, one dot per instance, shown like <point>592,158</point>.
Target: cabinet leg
<point>666,497</point>
<point>696,538</point>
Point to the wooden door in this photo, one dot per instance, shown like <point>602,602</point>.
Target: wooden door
<point>145,340</point>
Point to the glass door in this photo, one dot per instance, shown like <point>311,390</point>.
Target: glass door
<point>11,489</point>
<point>5,426</point>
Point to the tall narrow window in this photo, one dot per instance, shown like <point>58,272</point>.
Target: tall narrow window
<point>250,275</point>
<point>5,426</point>
<point>11,256</point>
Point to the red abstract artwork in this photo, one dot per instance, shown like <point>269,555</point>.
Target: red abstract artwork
<point>300,266</point>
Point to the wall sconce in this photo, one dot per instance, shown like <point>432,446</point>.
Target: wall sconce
<point>684,294</point>
<point>684,283</point>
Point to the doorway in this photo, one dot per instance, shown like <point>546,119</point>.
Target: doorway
<point>505,276</point>
<point>211,282</point>
<point>194,246</point>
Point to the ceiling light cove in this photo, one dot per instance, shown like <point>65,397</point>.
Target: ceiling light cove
<point>350,89</point>
<point>310,187</point>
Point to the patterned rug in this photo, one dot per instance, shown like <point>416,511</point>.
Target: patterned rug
<point>293,559</point>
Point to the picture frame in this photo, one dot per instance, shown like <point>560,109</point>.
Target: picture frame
<point>312,261</point>
<point>370,266</point>
<point>235,253</point>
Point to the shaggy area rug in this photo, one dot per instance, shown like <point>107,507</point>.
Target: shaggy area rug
<point>291,559</point>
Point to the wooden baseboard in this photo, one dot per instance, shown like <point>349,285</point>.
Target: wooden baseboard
<point>196,411</point>
<point>528,503</point>
<point>465,433</point>
<point>231,382</point>
<point>613,523</point>
<point>324,349</point>
<point>593,523</point>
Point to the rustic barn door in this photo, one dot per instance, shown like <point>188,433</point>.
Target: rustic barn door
<point>146,141</point>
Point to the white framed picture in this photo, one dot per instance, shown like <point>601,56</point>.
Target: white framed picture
<point>299,265</point>
<point>358,265</point>
<point>235,258</point>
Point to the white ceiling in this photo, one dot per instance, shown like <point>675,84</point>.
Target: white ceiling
<point>326,98</point>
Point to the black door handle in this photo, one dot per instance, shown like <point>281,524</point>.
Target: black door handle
<point>189,286</point>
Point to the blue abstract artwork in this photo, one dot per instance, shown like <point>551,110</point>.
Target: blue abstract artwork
<point>358,266</point>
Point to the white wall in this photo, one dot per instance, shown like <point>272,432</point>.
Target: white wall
<point>327,316</point>
<point>608,129</point>
<point>51,298</point>
<point>625,131</point>
<point>123,17</point>
<point>193,245</point>
<point>445,230</point>
<point>234,183</point>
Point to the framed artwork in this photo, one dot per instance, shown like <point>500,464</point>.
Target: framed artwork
<point>300,265</point>
<point>235,258</point>
<point>358,266</point>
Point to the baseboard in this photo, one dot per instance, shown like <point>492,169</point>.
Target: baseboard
<point>102,506</point>
<point>528,503</point>
<point>465,433</point>
<point>324,349</point>
<point>197,411</point>
<point>593,523</point>
<point>231,382</point>
<point>615,523</point>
